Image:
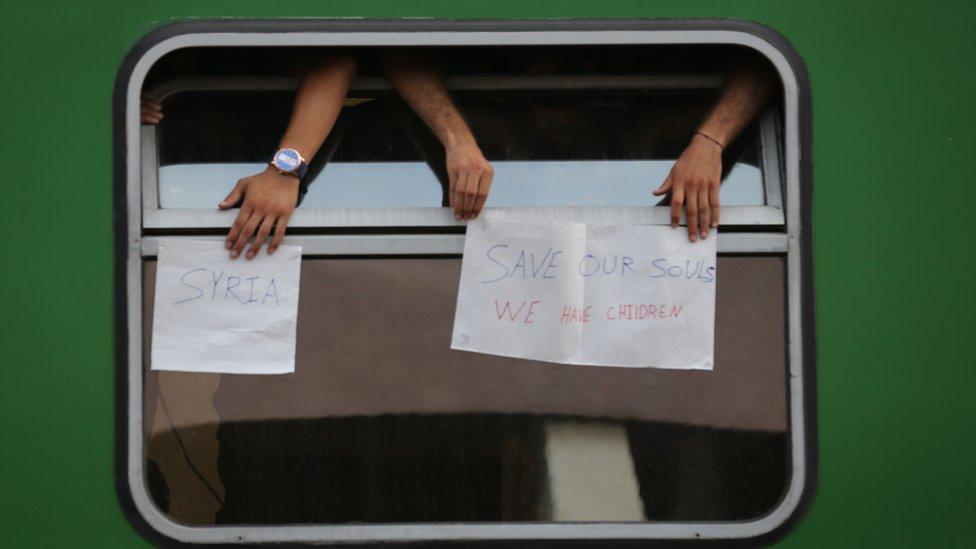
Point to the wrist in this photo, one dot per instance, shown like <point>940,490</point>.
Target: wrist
<point>458,140</point>
<point>708,139</point>
<point>287,177</point>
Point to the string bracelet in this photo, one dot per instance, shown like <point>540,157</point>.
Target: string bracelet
<point>712,139</point>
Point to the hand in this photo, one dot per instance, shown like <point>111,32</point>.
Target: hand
<point>269,199</point>
<point>470,176</point>
<point>693,184</point>
<point>150,111</point>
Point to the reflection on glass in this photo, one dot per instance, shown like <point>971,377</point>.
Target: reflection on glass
<point>381,422</point>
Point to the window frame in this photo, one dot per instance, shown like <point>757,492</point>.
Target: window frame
<point>135,167</point>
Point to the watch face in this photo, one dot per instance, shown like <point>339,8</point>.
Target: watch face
<point>287,160</point>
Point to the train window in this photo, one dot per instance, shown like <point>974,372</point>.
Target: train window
<point>385,434</point>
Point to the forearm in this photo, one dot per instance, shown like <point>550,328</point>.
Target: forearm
<point>269,197</point>
<point>318,103</point>
<point>745,93</point>
<point>419,80</point>
<point>695,178</point>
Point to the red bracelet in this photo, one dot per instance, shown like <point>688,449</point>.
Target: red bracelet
<point>712,139</point>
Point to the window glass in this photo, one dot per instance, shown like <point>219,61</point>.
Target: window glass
<point>382,422</point>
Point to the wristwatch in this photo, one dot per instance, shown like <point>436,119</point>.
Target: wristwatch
<point>290,162</point>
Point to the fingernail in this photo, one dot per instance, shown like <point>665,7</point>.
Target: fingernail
<point>271,250</point>
<point>228,244</point>
<point>704,235</point>
<point>250,255</point>
<point>233,254</point>
<point>694,238</point>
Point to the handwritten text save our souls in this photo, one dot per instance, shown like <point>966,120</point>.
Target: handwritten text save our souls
<point>508,263</point>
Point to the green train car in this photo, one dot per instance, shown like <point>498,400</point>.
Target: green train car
<point>837,412</point>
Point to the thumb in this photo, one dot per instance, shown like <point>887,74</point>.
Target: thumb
<point>664,188</point>
<point>233,197</point>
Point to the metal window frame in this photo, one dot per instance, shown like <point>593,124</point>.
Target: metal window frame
<point>154,217</point>
<point>133,245</point>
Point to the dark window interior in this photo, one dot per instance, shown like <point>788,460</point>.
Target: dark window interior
<point>212,126</point>
<point>626,124</point>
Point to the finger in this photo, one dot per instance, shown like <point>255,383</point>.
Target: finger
<point>713,201</point>
<point>149,116</point>
<point>452,188</point>
<point>664,188</point>
<point>704,213</point>
<point>246,233</point>
<point>483,188</point>
<point>279,233</point>
<point>691,210</point>
<point>237,227</point>
<point>150,108</point>
<point>233,197</point>
<point>470,196</point>
<point>677,201</point>
<point>261,237</point>
<point>459,188</point>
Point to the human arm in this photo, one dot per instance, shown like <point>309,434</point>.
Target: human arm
<point>418,78</point>
<point>694,179</point>
<point>270,197</point>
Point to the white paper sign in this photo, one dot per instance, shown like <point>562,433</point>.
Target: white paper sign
<point>602,295</point>
<point>231,316</point>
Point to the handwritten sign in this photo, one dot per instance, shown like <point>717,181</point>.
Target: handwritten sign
<point>610,295</point>
<point>215,314</point>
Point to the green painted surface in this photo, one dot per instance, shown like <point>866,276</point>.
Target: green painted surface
<point>893,147</point>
